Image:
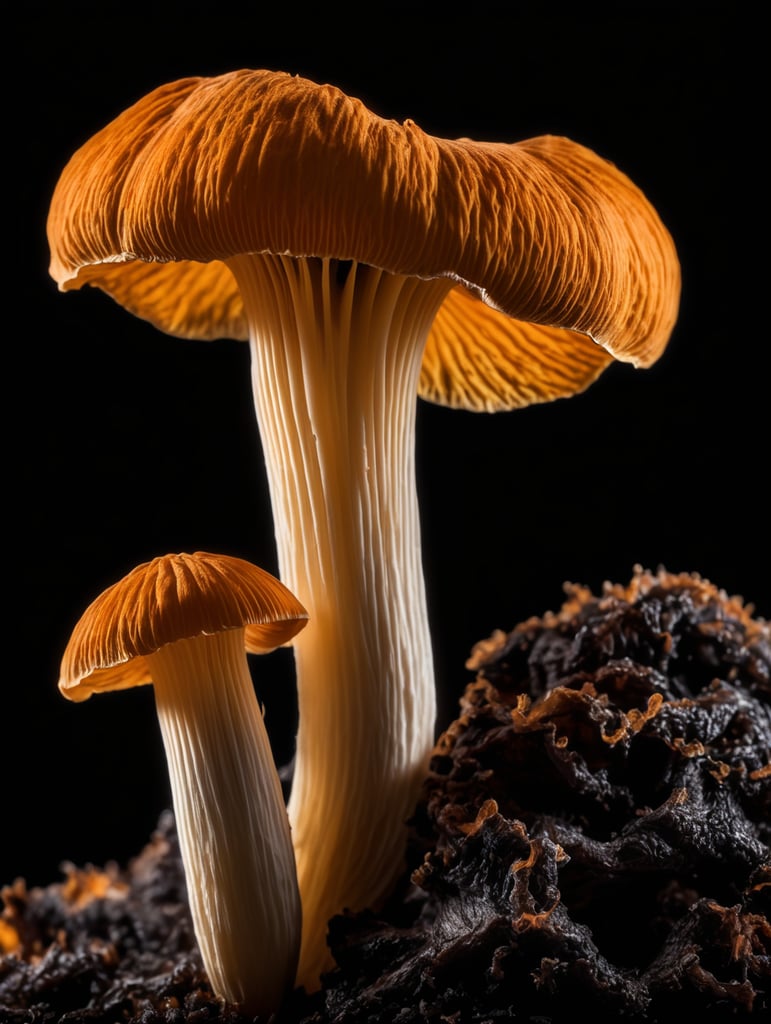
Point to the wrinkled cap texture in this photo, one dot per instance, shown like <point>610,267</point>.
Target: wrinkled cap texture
<point>171,598</point>
<point>560,262</point>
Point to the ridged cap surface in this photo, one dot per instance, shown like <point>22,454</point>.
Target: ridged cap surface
<point>551,245</point>
<point>171,598</point>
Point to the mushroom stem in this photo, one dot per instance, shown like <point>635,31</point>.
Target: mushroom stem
<point>344,356</point>
<point>231,818</point>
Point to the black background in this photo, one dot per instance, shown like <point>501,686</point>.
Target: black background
<point>122,444</point>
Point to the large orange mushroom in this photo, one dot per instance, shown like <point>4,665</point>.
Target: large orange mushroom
<point>366,262</point>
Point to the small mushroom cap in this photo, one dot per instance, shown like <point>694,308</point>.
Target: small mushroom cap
<point>561,264</point>
<point>171,598</point>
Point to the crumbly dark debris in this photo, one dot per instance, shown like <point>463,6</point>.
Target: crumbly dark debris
<point>594,839</point>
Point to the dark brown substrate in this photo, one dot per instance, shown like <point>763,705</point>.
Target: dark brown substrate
<point>593,841</point>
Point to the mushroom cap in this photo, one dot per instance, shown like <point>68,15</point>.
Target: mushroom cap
<point>561,264</point>
<point>171,598</point>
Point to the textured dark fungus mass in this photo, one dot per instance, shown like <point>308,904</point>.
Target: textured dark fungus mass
<point>595,827</point>
<point>594,831</point>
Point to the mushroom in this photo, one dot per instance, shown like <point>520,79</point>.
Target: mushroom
<point>185,622</point>
<point>367,263</point>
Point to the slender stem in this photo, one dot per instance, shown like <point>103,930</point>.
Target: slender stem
<point>231,818</point>
<point>335,367</point>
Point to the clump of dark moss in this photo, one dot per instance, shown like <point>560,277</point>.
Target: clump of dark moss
<point>595,826</point>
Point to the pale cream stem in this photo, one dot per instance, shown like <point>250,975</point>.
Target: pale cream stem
<point>335,367</point>
<point>231,818</point>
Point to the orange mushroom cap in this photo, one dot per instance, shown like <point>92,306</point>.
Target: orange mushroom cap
<point>562,264</point>
<point>171,598</point>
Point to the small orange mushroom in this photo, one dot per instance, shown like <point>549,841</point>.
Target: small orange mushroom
<point>366,262</point>
<point>185,622</point>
